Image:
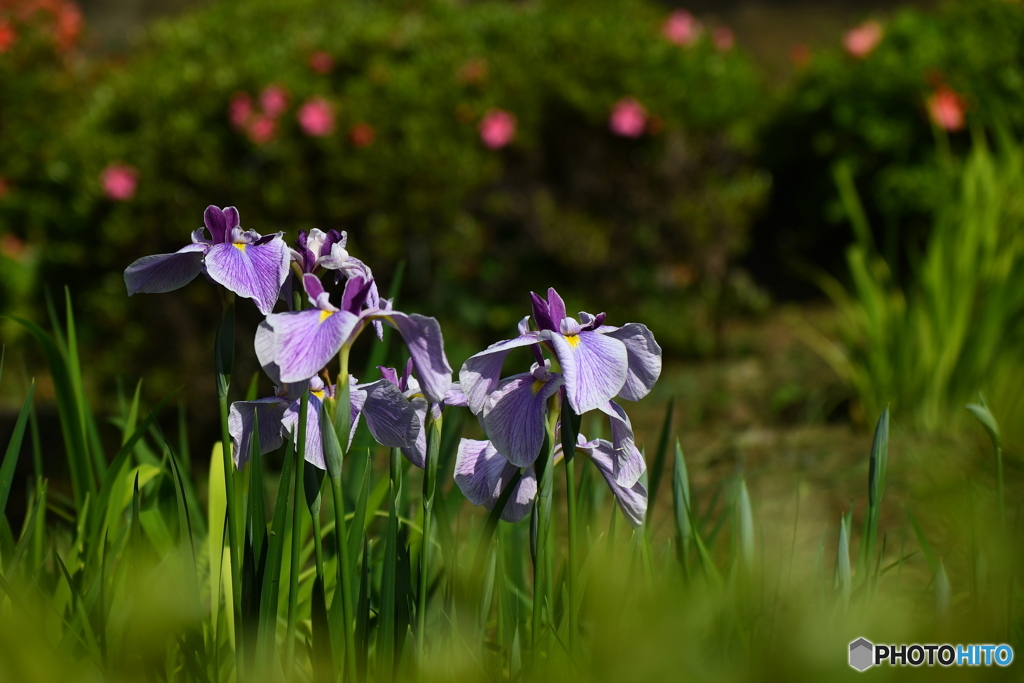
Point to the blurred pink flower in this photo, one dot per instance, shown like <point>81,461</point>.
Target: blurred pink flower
<point>321,62</point>
<point>946,109</point>
<point>240,110</point>
<point>362,135</point>
<point>860,41</point>
<point>681,28</point>
<point>316,117</point>
<point>723,38</point>
<point>262,129</point>
<point>119,182</point>
<point>7,36</point>
<point>274,100</point>
<point>497,128</point>
<point>69,25</point>
<point>628,119</point>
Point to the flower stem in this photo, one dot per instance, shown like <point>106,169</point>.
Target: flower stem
<point>429,487</point>
<point>296,546</point>
<point>570,428</point>
<point>223,360</point>
<point>542,510</point>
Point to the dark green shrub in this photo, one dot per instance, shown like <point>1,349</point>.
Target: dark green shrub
<point>613,220</point>
<point>872,114</point>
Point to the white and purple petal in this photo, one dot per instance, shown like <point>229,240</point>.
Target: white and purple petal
<point>644,359</point>
<point>480,374</point>
<point>252,271</point>
<point>314,453</point>
<point>594,367</point>
<point>628,464</point>
<point>422,336</point>
<point>389,415</point>
<point>482,473</point>
<point>266,414</point>
<point>306,341</point>
<point>417,452</point>
<point>165,272</point>
<point>632,499</point>
<point>264,344</point>
<point>515,416</point>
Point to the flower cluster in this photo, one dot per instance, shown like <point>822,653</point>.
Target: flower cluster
<point>295,346</point>
<point>580,365</point>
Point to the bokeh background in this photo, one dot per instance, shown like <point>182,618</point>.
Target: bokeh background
<point>814,206</point>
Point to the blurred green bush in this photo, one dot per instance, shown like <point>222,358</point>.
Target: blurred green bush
<point>880,107</point>
<point>379,118</point>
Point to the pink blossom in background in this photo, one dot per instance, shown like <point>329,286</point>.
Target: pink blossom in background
<point>273,100</point>
<point>628,119</point>
<point>946,109</point>
<point>262,129</point>
<point>723,38</point>
<point>316,117</point>
<point>69,25</point>
<point>240,110</point>
<point>119,182</point>
<point>362,135</point>
<point>321,62</point>
<point>497,128</point>
<point>860,41</point>
<point>7,36</point>
<point>681,28</point>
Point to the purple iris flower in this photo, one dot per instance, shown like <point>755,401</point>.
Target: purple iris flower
<point>596,363</point>
<point>482,472</point>
<point>295,346</point>
<point>243,261</point>
<point>411,390</point>
<point>318,250</point>
<point>390,418</point>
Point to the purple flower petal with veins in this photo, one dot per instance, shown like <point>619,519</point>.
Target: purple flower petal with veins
<point>644,359</point>
<point>480,374</point>
<point>266,413</point>
<point>632,500</point>
<point>594,366</point>
<point>481,473</point>
<point>165,272</point>
<point>515,415</point>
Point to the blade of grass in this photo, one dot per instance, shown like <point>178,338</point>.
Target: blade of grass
<point>14,448</point>
<point>661,454</point>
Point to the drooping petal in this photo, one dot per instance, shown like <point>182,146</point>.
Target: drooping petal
<point>594,367</point>
<point>314,442</point>
<point>515,416</point>
<point>165,272</point>
<point>417,452</point>
<point>481,473</point>
<point>305,341</point>
<point>252,271</point>
<point>266,413</point>
<point>644,359</point>
<point>389,415</point>
<point>632,499</point>
<point>480,374</point>
<point>628,464</point>
<point>264,343</point>
<point>422,336</point>
<point>455,396</point>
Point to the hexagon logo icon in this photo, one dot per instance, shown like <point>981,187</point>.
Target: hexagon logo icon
<point>861,654</point>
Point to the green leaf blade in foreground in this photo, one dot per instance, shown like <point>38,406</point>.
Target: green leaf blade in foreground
<point>14,448</point>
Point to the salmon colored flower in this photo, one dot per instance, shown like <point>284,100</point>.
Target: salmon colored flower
<point>681,28</point>
<point>628,118</point>
<point>863,39</point>
<point>947,109</point>
<point>7,36</point>
<point>274,100</point>
<point>240,110</point>
<point>497,128</point>
<point>262,130</point>
<point>321,62</point>
<point>362,135</point>
<point>316,117</point>
<point>119,182</point>
<point>723,38</point>
<point>69,25</point>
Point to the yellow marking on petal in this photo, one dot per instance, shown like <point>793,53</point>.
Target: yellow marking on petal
<point>537,386</point>
<point>240,246</point>
<point>318,393</point>
<point>572,340</point>
<point>324,315</point>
